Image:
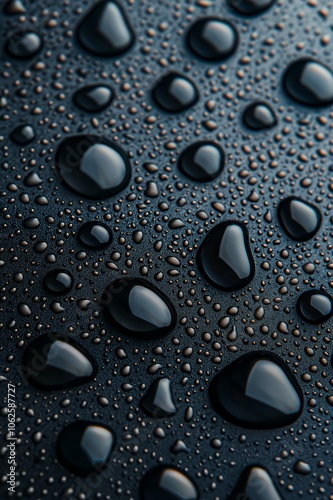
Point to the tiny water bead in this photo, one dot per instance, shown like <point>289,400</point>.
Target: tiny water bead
<point>93,98</point>
<point>255,483</point>
<point>315,306</point>
<point>94,235</point>
<point>309,82</point>
<point>85,447</point>
<point>23,134</point>
<point>174,92</point>
<point>138,308</point>
<point>225,256</point>
<point>212,39</point>
<point>203,161</point>
<point>58,281</point>
<point>158,401</point>
<point>299,219</point>
<point>257,391</point>
<point>259,116</point>
<point>167,483</point>
<point>23,44</point>
<point>52,362</point>
<point>105,30</point>
<point>250,7</point>
<point>92,167</point>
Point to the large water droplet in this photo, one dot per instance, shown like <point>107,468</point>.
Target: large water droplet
<point>84,447</point>
<point>52,362</point>
<point>255,483</point>
<point>93,98</point>
<point>158,401</point>
<point>202,161</point>
<point>250,7</point>
<point>23,44</point>
<point>92,167</point>
<point>138,308</point>
<point>94,235</point>
<point>259,115</point>
<point>212,39</point>
<point>23,134</point>
<point>167,483</point>
<point>315,306</point>
<point>175,93</point>
<point>256,391</point>
<point>58,281</point>
<point>309,82</point>
<point>298,218</point>
<point>105,30</point>
<point>225,256</point>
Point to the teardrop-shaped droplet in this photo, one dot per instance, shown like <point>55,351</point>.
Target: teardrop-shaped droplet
<point>309,82</point>
<point>85,447</point>
<point>257,391</point>
<point>250,7</point>
<point>225,257</point>
<point>105,30</point>
<point>175,93</point>
<point>158,401</point>
<point>52,362</point>
<point>92,167</point>
<point>167,483</point>
<point>299,219</point>
<point>255,483</point>
<point>138,308</point>
<point>259,115</point>
<point>94,235</point>
<point>13,7</point>
<point>212,39</point>
<point>93,98</point>
<point>23,44</point>
<point>315,306</point>
<point>58,281</point>
<point>203,161</point>
<point>23,134</point>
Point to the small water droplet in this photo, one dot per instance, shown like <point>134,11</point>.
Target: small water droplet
<point>299,219</point>
<point>250,7</point>
<point>23,44</point>
<point>94,235</point>
<point>93,98</point>
<point>259,116</point>
<point>158,401</point>
<point>23,134</point>
<point>315,306</point>
<point>175,93</point>
<point>203,161</point>
<point>212,39</point>
<point>165,482</point>
<point>58,281</point>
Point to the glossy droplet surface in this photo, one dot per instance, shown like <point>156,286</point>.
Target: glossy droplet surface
<point>85,447</point>
<point>167,483</point>
<point>315,306</point>
<point>256,391</point>
<point>309,82</point>
<point>298,218</point>
<point>175,93</point>
<point>94,235</point>
<point>105,30</point>
<point>158,401</point>
<point>255,483</point>
<point>212,39</point>
<point>202,161</point>
<point>23,44</point>
<point>250,7</point>
<point>138,308</point>
<point>92,167</point>
<point>93,98</point>
<point>225,257</point>
<point>23,134</point>
<point>58,281</point>
<point>52,362</point>
<point>259,115</point>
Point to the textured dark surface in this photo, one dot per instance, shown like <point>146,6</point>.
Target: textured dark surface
<point>293,158</point>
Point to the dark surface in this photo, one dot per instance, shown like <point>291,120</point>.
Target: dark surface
<point>157,237</point>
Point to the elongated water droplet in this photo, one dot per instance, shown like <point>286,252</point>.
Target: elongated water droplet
<point>255,483</point>
<point>298,218</point>
<point>158,401</point>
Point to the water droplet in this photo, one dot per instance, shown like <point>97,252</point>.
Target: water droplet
<point>309,82</point>
<point>255,483</point>
<point>167,483</point>
<point>92,167</point>
<point>14,7</point>
<point>225,257</point>
<point>52,362</point>
<point>58,281</point>
<point>299,219</point>
<point>138,308</point>
<point>202,161</point>
<point>93,98</point>
<point>315,306</point>
<point>158,401</point>
<point>85,447</point>
<point>23,134</point>
<point>259,115</point>
<point>94,235</point>
<point>302,468</point>
<point>212,39</point>
<point>105,30</point>
<point>256,391</point>
<point>23,44</point>
<point>175,93</point>
<point>31,223</point>
<point>250,7</point>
